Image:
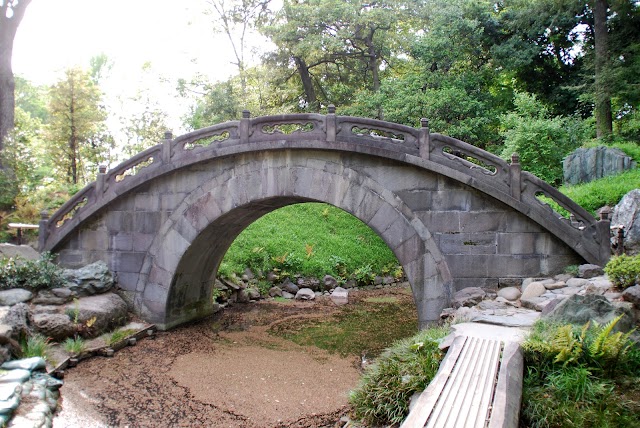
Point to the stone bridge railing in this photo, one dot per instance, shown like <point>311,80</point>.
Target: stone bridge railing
<point>441,154</point>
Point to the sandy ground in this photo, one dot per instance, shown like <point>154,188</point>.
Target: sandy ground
<point>226,371</point>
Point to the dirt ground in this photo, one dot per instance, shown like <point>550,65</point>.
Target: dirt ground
<point>226,371</point>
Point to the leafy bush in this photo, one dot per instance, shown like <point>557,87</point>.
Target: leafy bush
<point>540,140</point>
<point>406,368</point>
<point>623,270</point>
<point>31,274</point>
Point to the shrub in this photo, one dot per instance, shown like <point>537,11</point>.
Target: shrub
<point>406,368</point>
<point>35,346</point>
<point>74,346</point>
<point>31,274</point>
<point>623,270</point>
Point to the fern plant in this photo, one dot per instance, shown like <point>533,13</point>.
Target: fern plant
<point>606,349</point>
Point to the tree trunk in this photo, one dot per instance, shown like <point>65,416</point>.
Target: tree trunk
<point>10,16</point>
<point>307,84</point>
<point>604,119</point>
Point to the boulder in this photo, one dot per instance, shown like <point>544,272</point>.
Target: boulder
<point>253,293</point>
<point>22,251</point>
<point>588,164</point>
<point>242,296</point>
<point>287,295</point>
<point>57,326</point>
<point>305,294</point>
<point>627,214</point>
<point>289,286</point>
<point>31,364</point>
<point>309,282</point>
<point>272,276</point>
<point>340,296</point>
<point>632,294</point>
<point>14,296</point>
<point>16,316</point>
<point>109,310</point>
<point>329,282</point>
<point>579,310</point>
<point>468,297</point>
<point>577,282</point>
<point>534,289</point>
<point>89,280</point>
<point>510,293</point>
<point>555,285</point>
<point>275,292</point>
<point>589,271</point>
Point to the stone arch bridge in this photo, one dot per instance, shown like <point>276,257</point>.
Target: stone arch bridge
<point>454,215</point>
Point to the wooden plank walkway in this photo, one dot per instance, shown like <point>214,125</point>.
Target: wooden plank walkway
<point>473,388</point>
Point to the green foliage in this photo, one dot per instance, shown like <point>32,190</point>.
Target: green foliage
<point>118,336</point>
<point>30,274</point>
<point>311,239</point>
<point>74,346</point>
<point>575,377</point>
<point>541,141</point>
<point>623,270</point>
<point>406,368</point>
<point>35,346</point>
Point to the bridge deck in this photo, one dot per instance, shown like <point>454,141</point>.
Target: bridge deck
<point>479,384</point>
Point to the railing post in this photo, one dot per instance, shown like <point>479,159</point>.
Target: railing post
<point>43,229</point>
<point>515,171</point>
<point>603,231</point>
<point>425,139</point>
<point>102,169</point>
<point>244,126</point>
<point>166,147</point>
<point>331,123</point>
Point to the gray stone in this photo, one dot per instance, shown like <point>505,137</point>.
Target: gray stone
<point>8,390</point>
<point>555,285</point>
<point>22,251</point>
<point>581,309</point>
<point>340,296</point>
<point>17,375</point>
<point>54,325</point>
<point>329,282</point>
<point>534,289</point>
<point>275,291</point>
<point>8,406</point>
<point>588,164</point>
<point>89,280</point>
<point>535,303</point>
<point>253,293</point>
<point>627,214</point>
<point>517,319</point>
<point>16,316</point>
<point>632,294</point>
<point>109,310</point>
<point>469,296</point>
<point>242,296</point>
<point>577,282</point>
<point>589,271</point>
<point>14,296</point>
<point>305,294</point>
<point>527,281</point>
<point>46,297</point>
<point>31,364</point>
<point>289,286</point>
<point>510,293</point>
<point>272,276</point>
<point>288,295</point>
<point>563,277</point>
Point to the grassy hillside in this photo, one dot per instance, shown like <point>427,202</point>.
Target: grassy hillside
<point>313,239</point>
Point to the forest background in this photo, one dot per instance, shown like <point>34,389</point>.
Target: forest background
<point>537,77</point>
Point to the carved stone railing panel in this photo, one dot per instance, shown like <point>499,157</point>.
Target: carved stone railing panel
<point>204,139</point>
<point>138,164</point>
<point>287,127</point>
<point>72,207</point>
<point>368,131</point>
<point>470,160</point>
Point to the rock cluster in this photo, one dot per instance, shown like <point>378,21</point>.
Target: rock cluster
<point>590,296</point>
<point>245,289</point>
<point>28,396</point>
<point>584,165</point>
<point>627,215</point>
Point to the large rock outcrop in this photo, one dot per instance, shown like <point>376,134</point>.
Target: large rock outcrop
<point>627,214</point>
<point>584,165</point>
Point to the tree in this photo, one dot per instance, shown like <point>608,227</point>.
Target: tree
<point>76,132</point>
<point>236,19</point>
<point>11,14</point>
<point>604,119</point>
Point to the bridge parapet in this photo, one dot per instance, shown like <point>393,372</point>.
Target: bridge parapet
<point>445,155</point>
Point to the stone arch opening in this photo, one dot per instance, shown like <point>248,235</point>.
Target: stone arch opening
<point>178,273</point>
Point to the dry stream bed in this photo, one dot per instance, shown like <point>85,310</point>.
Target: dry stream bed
<point>253,365</point>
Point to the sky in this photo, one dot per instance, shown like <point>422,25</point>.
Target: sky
<point>175,37</point>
